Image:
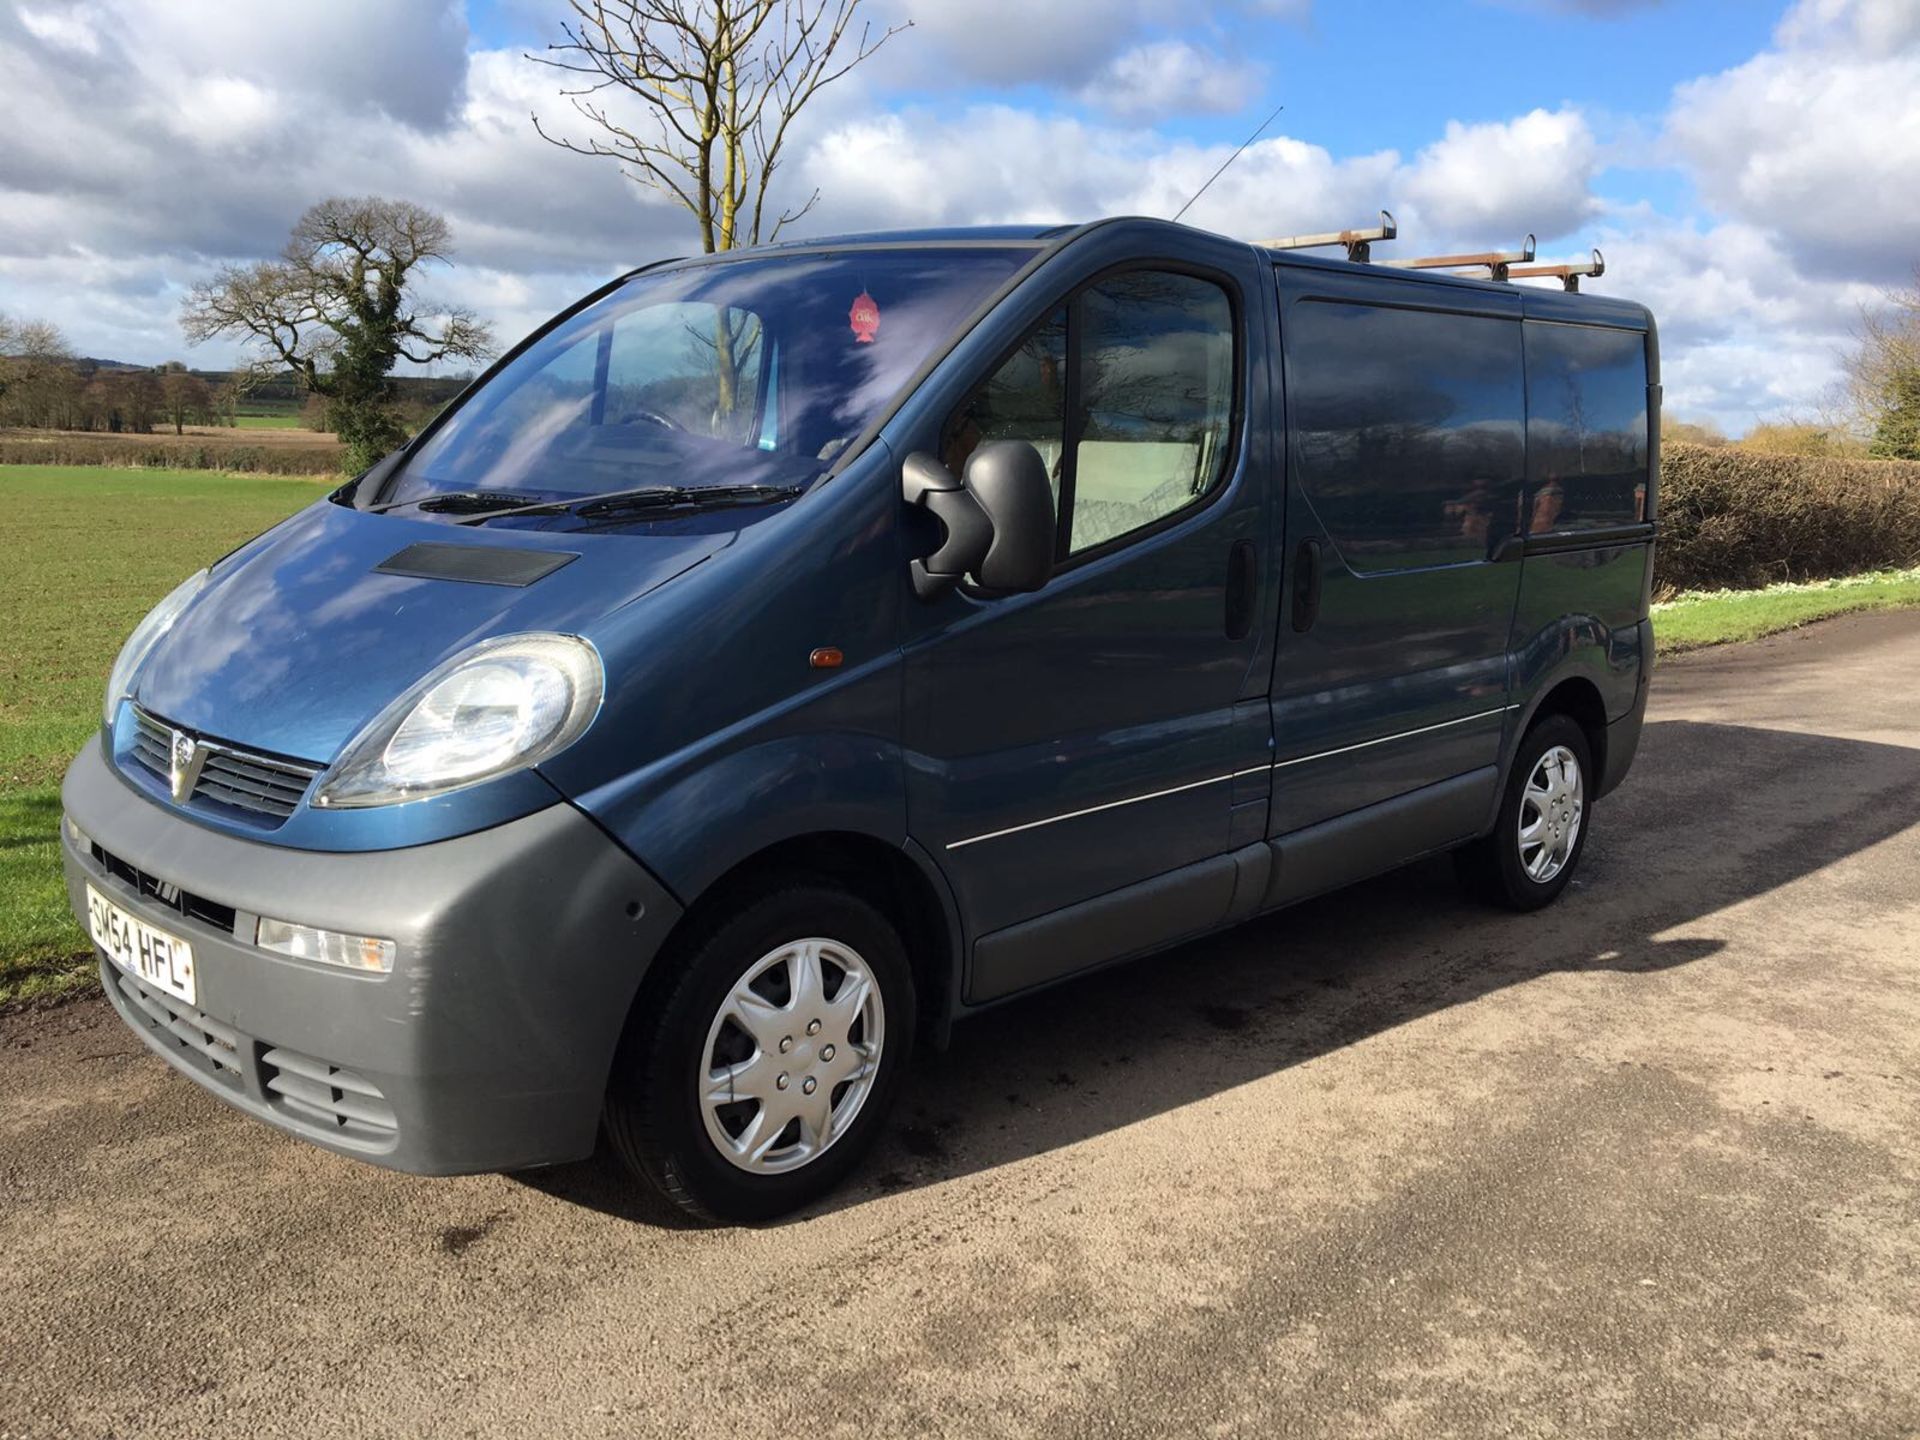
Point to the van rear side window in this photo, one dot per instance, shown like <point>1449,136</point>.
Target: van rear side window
<point>1586,427</point>
<point>1407,430</point>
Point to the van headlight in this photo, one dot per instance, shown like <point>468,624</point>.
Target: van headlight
<point>503,705</point>
<point>144,637</point>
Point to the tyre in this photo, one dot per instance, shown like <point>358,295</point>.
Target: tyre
<point>761,1070</point>
<point>1545,813</point>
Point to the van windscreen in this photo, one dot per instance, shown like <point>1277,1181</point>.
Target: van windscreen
<point>751,371</point>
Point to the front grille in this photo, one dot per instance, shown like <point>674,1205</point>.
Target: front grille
<point>196,907</point>
<point>205,1043</point>
<point>318,1092</point>
<point>245,780</point>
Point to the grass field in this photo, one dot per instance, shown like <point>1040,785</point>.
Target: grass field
<point>1717,617</point>
<point>89,552</point>
<point>268,415</point>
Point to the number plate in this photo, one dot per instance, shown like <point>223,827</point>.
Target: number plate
<point>137,948</point>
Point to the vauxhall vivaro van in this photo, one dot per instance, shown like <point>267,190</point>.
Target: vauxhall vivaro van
<point>782,655</point>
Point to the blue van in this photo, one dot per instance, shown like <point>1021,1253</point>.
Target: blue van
<point>782,655</point>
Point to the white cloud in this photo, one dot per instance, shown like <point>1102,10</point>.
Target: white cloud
<point>997,163</point>
<point>1172,77</point>
<point>127,177</point>
<point>1504,179</point>
<point>1866,26</point>
<point>1818,139</point>
<point>1062,43</point>
<point>74,29</point>
<point>1482,184</point>
<point>1021,42</point>
<point>1745,335</point>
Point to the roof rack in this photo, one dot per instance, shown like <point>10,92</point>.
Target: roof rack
<point>1359,243</point>
<point>1497,263</point>
<point>1567,275</point>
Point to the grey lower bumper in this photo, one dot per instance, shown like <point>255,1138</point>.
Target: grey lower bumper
<point>520,949</point>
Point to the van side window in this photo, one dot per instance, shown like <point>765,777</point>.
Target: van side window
<point>1407,430</point>
<point>1148,431</point>
<point>1586,426</point>
<point>1155,405</point>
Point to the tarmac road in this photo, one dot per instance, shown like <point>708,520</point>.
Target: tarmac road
<point>1383,1165</point>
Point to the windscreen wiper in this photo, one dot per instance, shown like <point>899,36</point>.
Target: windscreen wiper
<point>616,503</point>
<point>470,501</point>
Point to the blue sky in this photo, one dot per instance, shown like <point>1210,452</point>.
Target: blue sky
<point>1752,169</point>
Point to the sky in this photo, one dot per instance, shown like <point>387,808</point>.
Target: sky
<point>1750,168</point>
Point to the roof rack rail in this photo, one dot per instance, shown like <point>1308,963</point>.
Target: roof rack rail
<point>1359,243</point>
<point>1497,263</point>
<point>1567,275</point>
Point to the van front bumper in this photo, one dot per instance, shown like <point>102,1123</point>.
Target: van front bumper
<point>519,950</point>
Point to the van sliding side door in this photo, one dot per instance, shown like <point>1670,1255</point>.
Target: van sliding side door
<point>1406,462</point>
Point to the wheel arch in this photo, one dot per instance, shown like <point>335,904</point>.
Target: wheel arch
<point>902,884</point>
<point>1578,698</point>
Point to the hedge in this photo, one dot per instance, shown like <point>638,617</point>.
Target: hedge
<point>1737,519</point>
<point>173,452</point>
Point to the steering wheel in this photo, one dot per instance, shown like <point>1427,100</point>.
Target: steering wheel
<point>652,417</point>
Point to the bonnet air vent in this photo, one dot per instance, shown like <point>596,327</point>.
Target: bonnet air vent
<point>477,564</point>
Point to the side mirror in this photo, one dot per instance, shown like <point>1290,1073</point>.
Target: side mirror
<point>998,522</point>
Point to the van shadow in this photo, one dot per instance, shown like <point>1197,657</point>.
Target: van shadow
<point>1711,816</point>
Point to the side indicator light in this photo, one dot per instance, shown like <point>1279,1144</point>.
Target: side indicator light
<point>827,657</point>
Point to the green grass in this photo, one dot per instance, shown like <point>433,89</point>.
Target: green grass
<point>89,550</point>
<point>272,420</point>
<point>1717,617</point>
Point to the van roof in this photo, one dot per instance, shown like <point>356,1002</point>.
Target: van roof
<point>1540,300</point>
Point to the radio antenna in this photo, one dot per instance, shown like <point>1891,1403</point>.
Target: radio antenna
<point>1229,160</point>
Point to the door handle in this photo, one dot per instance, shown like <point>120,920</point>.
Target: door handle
<point>1241,586</point>
<point>1306,585</point>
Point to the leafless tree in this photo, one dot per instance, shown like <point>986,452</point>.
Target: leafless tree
<point>36,372</point>
<point>1883,374</point>
<point>719,84</point>
<point>338,308</point>
<point>185,398</point>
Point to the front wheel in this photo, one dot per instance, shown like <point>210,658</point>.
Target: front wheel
<point>1544,816</point>
<point>758,1076</point>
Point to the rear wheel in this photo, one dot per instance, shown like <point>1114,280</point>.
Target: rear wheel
<point>757,1077</point>
<point>1541,833</point>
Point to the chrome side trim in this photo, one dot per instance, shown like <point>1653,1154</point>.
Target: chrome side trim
<point>1090,810</point>
<point>1403,735</point>
<point>1223,779</point>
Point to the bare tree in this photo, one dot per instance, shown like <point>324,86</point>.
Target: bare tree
<point>719,83</point>
<point>185,398</point>
<point>338,308</point>
<point>37,378</point>
<point>1883,374</point>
